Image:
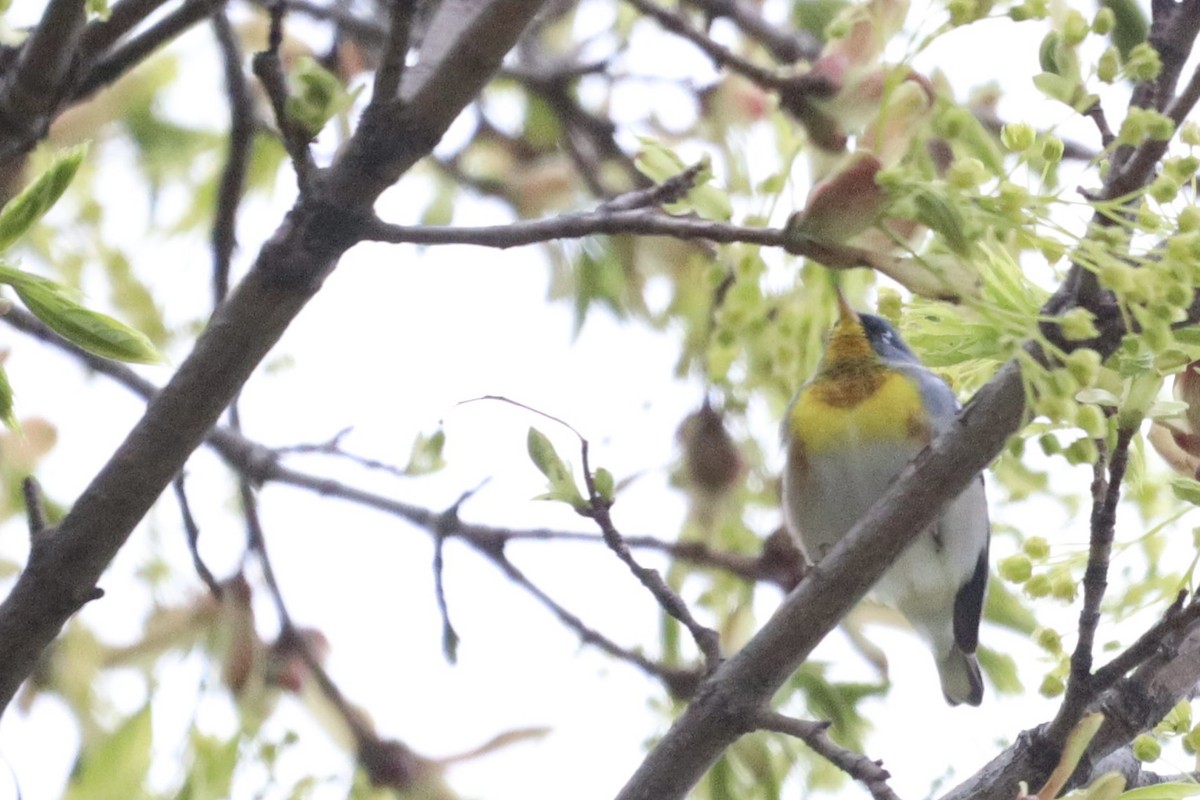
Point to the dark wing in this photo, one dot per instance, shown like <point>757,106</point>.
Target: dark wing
<point>968,606</point>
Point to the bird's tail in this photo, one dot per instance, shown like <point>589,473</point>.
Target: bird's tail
<point>961,681</point>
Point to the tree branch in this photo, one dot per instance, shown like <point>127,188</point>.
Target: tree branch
<point>467,40</point>
<point>816,735</point>
<point>1106,492</point>
<point>31,90</point>
<point>638,221</point>
<point>233,177</point>
<point>137,49</point>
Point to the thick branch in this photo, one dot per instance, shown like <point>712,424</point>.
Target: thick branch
<point>729,703</point>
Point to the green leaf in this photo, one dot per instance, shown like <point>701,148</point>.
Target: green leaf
<point>546,459</point>
<point>115,767</point>
<point>1001,669</point>
<point>426,456</point>
<point>943,217</point>
<point>1186,489</point>
<point>20,213</point>
<point>6,402</point>
<point>317,96</point>
<point>97,333</point>
<point>603,481</point>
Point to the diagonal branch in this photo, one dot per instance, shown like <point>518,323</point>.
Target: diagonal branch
<point>61,575</point>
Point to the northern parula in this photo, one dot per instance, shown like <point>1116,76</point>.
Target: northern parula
<point>871,407</point>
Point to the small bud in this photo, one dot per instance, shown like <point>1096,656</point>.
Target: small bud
<point>1063,586</point>
<point>1084,365</point>
<point>1049,640</point>
<point>1079,324</point>
<point>1146,748</point>
<point>1015,568</point>
<point>1038,585</point>
<point>1075,28</point>
<point>1081,451</point>
<point>1017,137</point>
<point>1036,547</point>
<point>1091,420</point>
<point>1144,62</point>
<point>1104,21</point>
<point>1052,149</point>
<point>1109,65</point>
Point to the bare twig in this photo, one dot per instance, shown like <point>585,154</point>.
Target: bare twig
<point>270,73</point>
<point>193,537</point>
<point>706,638</point>
<point>1176,618</point>
<point>721,55</point>
<point>638,221</point>
<point>783,42</point>
<point>870,774</point>
<point>233,178</point>
<point>133,52</point>
<point>1095,112</point>
<point>680,682</point>
<point>126,15</point>
<point>367,31</point>
<point>35,511</point>
<point>391,68</point>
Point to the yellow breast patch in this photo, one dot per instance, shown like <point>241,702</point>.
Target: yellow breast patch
<point>824,417</point>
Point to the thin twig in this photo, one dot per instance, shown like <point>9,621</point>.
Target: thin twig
<point>783,42</point>
<point>366,31</point>
<point>256,543</point>
<point>269,70</point>
<point>707,639</point>
<point>1106,493</point>
<point>124,16</point>
<point>35,510</point>
<point>124,58</point>
<point>639,221</point>
<point>721,55</point>
<point>237,160</point>
<point>680,682</point>
<point>1176,618</point>
<point>870,774</point>
<point>1095,113</point>
<point>391,68</point>
<point>193,537</point>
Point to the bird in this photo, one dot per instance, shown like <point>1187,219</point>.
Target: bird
<point>869,409</point>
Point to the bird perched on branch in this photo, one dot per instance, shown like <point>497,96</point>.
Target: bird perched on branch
<point>871,407</point>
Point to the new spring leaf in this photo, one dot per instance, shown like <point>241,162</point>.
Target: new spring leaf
<point>20,213</point>
<point>546,459</point>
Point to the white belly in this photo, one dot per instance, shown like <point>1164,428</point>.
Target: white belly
<point>922,584</point>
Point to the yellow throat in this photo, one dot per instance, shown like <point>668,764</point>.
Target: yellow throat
<point>855,398</point>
